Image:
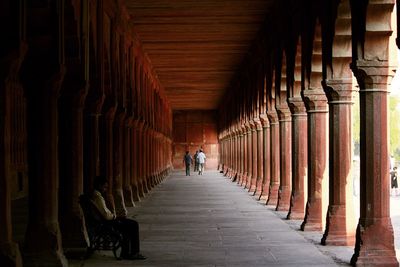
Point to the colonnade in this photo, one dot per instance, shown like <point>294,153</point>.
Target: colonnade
<point>296,126</point>
<point>79,99</point>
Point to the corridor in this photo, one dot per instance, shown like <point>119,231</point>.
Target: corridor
<point>210,221</point>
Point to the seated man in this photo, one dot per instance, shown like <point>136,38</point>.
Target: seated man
<point>128,227</point>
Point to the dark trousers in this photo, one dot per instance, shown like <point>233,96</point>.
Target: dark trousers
<point>187,169</point>
<point>130,235</point>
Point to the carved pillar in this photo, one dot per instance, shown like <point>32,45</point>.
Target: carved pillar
<point>91,142</point>
<point>249,155</point>
<point>340,223</point>
<point>317,201</point>
<point>240,157</point>
<point>71,166</point>
<point>128,162</point>
<point>135,153</point>
<point>10,255</point>
<point>260,147</point>
<point>118,147</point>
<point>299,158</point>
<point>107,152</point>
<point>140,159</point>
<point>244,158</point>
<point>275,165</point>
<point>374,237</point>
<point>266,157</point>
<point>253,181</point>
<point>43,222</point>
<point>285,138</point>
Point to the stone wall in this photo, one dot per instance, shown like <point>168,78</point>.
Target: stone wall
<point>193,130</point>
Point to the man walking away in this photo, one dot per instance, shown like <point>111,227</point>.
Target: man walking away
<point>196,161</point>
<point>202,159</point>
<point>187,159</point>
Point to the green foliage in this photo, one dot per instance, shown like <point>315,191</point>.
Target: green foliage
<point>394,126</point>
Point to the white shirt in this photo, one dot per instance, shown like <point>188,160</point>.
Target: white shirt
<point>201,157</point>
<point>100,203</point>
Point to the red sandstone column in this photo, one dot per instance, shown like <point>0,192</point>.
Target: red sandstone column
<point>140,157</point>
<point>108,157</point>
<point>71,166</point>
<point>266,150</point>
<point>135,162</point>
<point>340,222</point>
<point>253,181</point>
<point>240,156</point>
<point>260,174</point>
<point>285,138</point>
<point>374,238</point>
<point>275,165</point>
<point>317,201</point>
<point>118,147</point>
<point>127,162</point>
<point>244,158</point>
<point>299,158</point>
<point>9,250</point>
<point>145,161</point>
<point>249,155</point>
<point>43,222</point>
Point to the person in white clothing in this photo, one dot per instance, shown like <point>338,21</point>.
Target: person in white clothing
<point>201,157</point>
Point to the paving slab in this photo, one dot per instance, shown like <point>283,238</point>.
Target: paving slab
<point>209,221</point>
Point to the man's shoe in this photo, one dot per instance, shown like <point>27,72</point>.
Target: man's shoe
<point>136,256</point>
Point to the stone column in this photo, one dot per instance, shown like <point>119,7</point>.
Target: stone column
<point>317,201</point>
<point>118,155</point>
<point>10,255</point>
<point>244,158</point>
<point>266,157</point>
<point>275,165</point>
<point>285,138</point>
<point>249,155</point>
<point>127,162</point>
<point>260,174</point>
<point>340,222</point>
<point>254,163</point>
<point>240,157</point>
<point>299,158</point>
<point>134,162</point>
<point>91,142</point>
<point>140,157</point>
<point>71,166</point>
<point>43,222</point>
<point>108,152</point>
<point>374,236</point>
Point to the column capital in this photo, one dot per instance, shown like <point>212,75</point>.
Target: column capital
<point>264,120</point>
<point>283,112</point>
<point>297,106</point>
<point>272,116</point>
<point>257,123</point>
<point>372,74</point>
<point>315,100</point>
<point>339,91</point>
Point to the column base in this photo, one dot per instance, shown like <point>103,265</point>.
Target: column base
<point>135,193</point>
<point>43,246</point>
<point>312,219</point>
<point>283,199</point>
<point>273,195</point>
<point>141,189</point>
<point>74,230</point>
<point>296,210</point>
<point>119,202</point>
<point>336,231</point>
<point>128,197</point>
<point>258,191</point>
<point>375,245</point>
<point>10,255</point>
<point>247,182</point>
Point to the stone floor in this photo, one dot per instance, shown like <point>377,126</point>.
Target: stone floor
<point>209,221</point>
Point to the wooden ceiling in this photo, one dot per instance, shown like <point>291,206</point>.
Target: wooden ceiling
<point>196,46</point>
